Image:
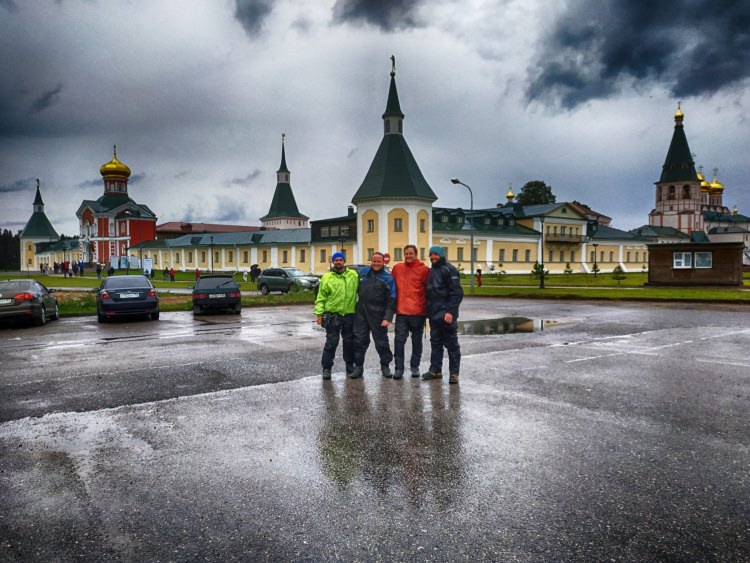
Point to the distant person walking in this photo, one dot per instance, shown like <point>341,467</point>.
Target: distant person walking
<point>334,310</point>
<point>171,274</point>
<point>479,277</point>
<point>444,295</point>
<point>411,309</point>
<point>376,304</point>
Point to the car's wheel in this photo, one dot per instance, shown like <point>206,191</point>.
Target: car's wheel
<point>56,314</point>
<point>293,288</point>
<point>41,320</point>
<point>196,309</point>
<point>155,316</point>
<point>238,309</point>
<point>264,289</point>
<point>99,317</point>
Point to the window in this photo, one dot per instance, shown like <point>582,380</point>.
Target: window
<point>593,256</point>
<point>335,231</point>
<point>231,256</point>
<point>459,254</point>
<point>422,226</point>
<point>344,230</point>
<point>501,255</point>
<point>190,256</point>
<point>284,256</point>
<point>682,260</point>
<point>443,218</point>
<point>421,254</point>
<point>244,257</point>
<point>601,256</point>
<point>176,258</point>
<point>474,254</point>
<point>398,225</point>
<point>550,256</point>
<point>572,255</point>
<point>611,256</point>
<point>562,231</point>
<point>371,225</point>
<point>325,232</point>
<point>703,260</point>
<point>627,257</point>
<point>636,257</point>
<point>562,256</point>
<point>486,220</point>
<point>387,126</point>
<point>370,252</point>
<point>527,255</point>
<point>515,255</point>
<point>203,255</point>
<point>302,256</point>
<point>323,255</point>
<point>685,192</point>
<point>671,192</point>
<point>264,256</point>
<point>398,254</point>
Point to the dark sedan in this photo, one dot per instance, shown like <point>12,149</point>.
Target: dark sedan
<point>215,292</point>
<point>27,299</point>
<point>126,295</point>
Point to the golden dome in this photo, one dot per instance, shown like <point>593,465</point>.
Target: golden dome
<point>114,168</point>
<point>678,115</point>
<point>716,186</point>
<point>510,194</point>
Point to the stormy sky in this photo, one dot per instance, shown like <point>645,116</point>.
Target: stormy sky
<point>196,94</point>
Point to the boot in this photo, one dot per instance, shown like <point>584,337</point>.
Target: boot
<point>326,373</point>
<point>398,374</point>
<point>358,371</point>
<point>386,370</point>
<point>453,378</point>
<point>429,374</point>
<point>415,372</point>
<point>349,368</point>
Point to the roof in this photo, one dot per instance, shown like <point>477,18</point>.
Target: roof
<point>107,203</point>
<point>653,232</point>
<point>38,226</point>
<point>604,232</point>
<point>679,165</point>
<point>725,217</point>
<point>392,106</point>
<point>184,227</point>
<point>275,236</point>
<point>283,203</point>
<point>394,173</point>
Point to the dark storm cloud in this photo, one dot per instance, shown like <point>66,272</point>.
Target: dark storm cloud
<point>47,99</point>
<point>9,5</point>
<point>388,15</point>
<point>252,13</point>
<point>598,47</point>
<point>89,184</point>
<point>19,186</point>
<point>246,181</point>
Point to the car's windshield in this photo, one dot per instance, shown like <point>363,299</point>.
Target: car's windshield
<point>209,283</point>
<point>295,272</point>
<point>125,282</point>
<point>15,285</point>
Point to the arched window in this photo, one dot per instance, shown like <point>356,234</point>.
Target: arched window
<point>685,192</point>
<point>671,192</point>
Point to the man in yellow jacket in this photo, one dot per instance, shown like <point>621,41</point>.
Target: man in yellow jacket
<point>334,309</point>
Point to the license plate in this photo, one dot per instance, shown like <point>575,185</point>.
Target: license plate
<point>6,301</point>
<point>214,295</point>
<point>129,295</point>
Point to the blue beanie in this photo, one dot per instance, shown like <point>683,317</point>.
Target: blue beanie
<point>439,250</point>
<point>338,255</point>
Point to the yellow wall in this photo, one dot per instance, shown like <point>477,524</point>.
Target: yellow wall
<point>397,239</point>
<point>369,239</point>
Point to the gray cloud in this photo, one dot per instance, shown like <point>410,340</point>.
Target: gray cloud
<point>388,15</point>
<point>19,186</point>
<point>229,210</point>
<point>597,48</point>
<point>47,99</point>
<point>9,5</point>
<point>252,13</point>
<point>246,181</point>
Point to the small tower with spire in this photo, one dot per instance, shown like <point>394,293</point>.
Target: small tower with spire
<point>38,229</point>
<point>284,213</point>
<point>394,201</point>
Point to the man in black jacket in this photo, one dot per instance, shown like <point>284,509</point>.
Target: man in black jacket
<point>376,305</point>
<point>444,295</point>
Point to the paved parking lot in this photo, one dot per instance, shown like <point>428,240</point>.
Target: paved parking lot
<point>579,432</point>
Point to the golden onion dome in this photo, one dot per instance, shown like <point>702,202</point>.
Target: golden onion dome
<point>114,168</point>
<point>716,186</point>
<point>678,115</point>
<point>510,194</point>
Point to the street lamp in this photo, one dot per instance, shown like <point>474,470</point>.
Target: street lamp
<point>596,268</point>
<point>541,252</point>
<point>471,235</point>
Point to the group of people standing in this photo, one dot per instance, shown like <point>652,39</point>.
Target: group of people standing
<point>352,305</point>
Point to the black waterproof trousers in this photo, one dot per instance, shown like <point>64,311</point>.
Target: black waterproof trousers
<point>362,331</point>
<point>444,335</point>
<point>339,326</point>
<point>406,325</point>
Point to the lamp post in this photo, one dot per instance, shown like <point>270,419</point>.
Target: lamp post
<point>541,252</point>
<point>471,234</point>
<point>127,259</point>
<point>596,268</point>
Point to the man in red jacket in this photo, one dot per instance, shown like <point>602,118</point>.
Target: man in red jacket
<point>411,309</point>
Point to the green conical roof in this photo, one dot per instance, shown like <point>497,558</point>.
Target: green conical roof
<point>392,107</point>
<point>38,198</point>
<point>394,174</point>
<point>283,203</point>
<point>39,226</point>
<point>679,165</point>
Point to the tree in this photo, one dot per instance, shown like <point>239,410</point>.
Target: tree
<point>535,192</point>
<point>10,250</point>
<point>618,274</point>
<point>537,269</point>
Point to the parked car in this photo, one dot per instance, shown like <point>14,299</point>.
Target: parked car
<point>126,295</point>
<point>216,292</point>
<point>27,299</point>
<point>286,279</point>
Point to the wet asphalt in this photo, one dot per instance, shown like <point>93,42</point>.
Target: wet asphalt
<point>579,432</point>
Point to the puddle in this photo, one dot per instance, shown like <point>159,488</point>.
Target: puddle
<point>505,325</point>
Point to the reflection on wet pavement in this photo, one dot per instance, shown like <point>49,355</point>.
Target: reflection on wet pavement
<point>405,439</point>
<point>505,325</point>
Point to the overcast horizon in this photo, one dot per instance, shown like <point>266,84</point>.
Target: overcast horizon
<point>196,95</point>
